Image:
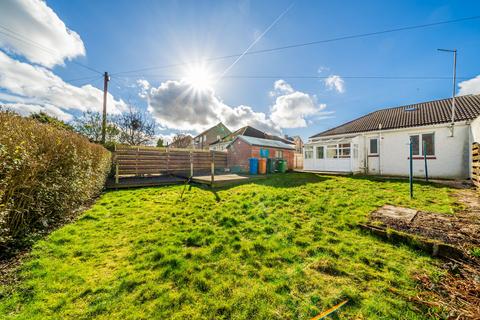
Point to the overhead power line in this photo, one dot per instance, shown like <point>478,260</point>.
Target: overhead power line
<point>297,45</point>
<point>310,77</point>
<point>13,34</point>
<point>255,41</point>
<point>84,78</point>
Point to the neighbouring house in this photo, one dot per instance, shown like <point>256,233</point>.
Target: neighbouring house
<point>297,141</point>
<point>247,131</point>
<point>215,133</point>
<point>182,141</point>
<point>379,142</point>
<point>242,148</point>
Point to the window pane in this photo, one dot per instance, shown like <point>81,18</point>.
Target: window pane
<point>415,146</point>
<point>344,150</point>
<point>308,152</point>
<point>320,152</point>
<point>332,151</point>
<point>428,141</point>
<point>373,146</point>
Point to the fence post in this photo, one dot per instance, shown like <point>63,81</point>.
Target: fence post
<point>191,163</point>
<point>136,161</point>
<point>213,167</point>
<point>168,160</point>
<point>115,160</point>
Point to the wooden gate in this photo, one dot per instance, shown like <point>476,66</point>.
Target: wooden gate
<point>298,160</point>
<point>149,161</point>
<point>476,164</point>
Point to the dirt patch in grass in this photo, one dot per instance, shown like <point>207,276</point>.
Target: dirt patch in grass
<point>461,229</point>
<point>455,293</point>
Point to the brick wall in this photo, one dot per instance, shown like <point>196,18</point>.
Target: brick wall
<point>240,151</point>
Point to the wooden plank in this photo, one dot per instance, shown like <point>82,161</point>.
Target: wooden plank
<point>140,152</point>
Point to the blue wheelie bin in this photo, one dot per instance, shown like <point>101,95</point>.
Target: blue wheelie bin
<point>253,165</point>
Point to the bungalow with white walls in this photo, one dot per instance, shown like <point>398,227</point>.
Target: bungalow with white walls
<point>379,142</point>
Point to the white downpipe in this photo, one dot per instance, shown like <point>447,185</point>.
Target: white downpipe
<point>380,149</point>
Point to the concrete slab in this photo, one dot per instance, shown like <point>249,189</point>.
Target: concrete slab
<point>405,215</point>
<point>225,179</point>
<point>219,178</point>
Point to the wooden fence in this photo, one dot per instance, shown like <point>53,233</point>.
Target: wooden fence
<point>298,160</point>
<point>148,161</point>
<point>476,164</point>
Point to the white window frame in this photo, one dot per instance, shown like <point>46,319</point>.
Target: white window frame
<point>341,151</point>
<point>279,154</point>
<point>308,152</point>
<point>323,152</point>
<point>332,147</point>
<point>421,141</point>
<point>420,144</point>
<point>370,147</point>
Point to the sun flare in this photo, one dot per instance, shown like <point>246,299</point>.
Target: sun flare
<point>199,78</point>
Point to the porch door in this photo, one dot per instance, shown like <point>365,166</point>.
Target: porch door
<point>373,156</point>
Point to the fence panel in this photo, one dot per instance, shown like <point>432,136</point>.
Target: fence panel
<point>476,164</point>
<point>146,161</point>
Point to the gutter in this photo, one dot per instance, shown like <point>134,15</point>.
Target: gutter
<point>354,134</point>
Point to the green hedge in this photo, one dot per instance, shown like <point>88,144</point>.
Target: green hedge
<point>46,172</point>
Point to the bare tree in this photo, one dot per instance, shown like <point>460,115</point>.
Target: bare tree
<point>182,141</point>
<point>89,124</point>
<point>136,127</point>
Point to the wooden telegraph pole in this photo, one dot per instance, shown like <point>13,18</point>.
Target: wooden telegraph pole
<point>106,78</point>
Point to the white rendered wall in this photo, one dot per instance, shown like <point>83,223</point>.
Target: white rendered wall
<point>451,160</point>
<point>475,130</point>
<point>452,154</point>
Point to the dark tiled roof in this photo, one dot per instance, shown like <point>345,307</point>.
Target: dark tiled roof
<point>414,115</point>
<point>252,132</point>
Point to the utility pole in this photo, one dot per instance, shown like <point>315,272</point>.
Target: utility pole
<point>106,78</point>
<point>454,51</point>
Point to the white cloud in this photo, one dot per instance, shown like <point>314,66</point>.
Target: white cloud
<point>322,69</point>
<point>281,87</point>
<point>336,83</point>
<point>26,109</point>
<point>471,86</point>
<point>37,33</point>
<point>24,84</point>
<point>292,108</point>
<point>176,105</point>
<point>144,86</point>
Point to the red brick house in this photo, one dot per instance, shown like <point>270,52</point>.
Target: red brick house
<point>244,147</point>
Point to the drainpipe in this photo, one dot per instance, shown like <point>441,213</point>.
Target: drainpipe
<point>379,149</point>
<point>365,155</point>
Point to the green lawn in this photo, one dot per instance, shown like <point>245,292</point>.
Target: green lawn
<point>281,248</point>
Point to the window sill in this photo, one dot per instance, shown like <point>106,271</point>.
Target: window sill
<point>422,158</point>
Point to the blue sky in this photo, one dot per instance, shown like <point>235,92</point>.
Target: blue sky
<point>125,35</point>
